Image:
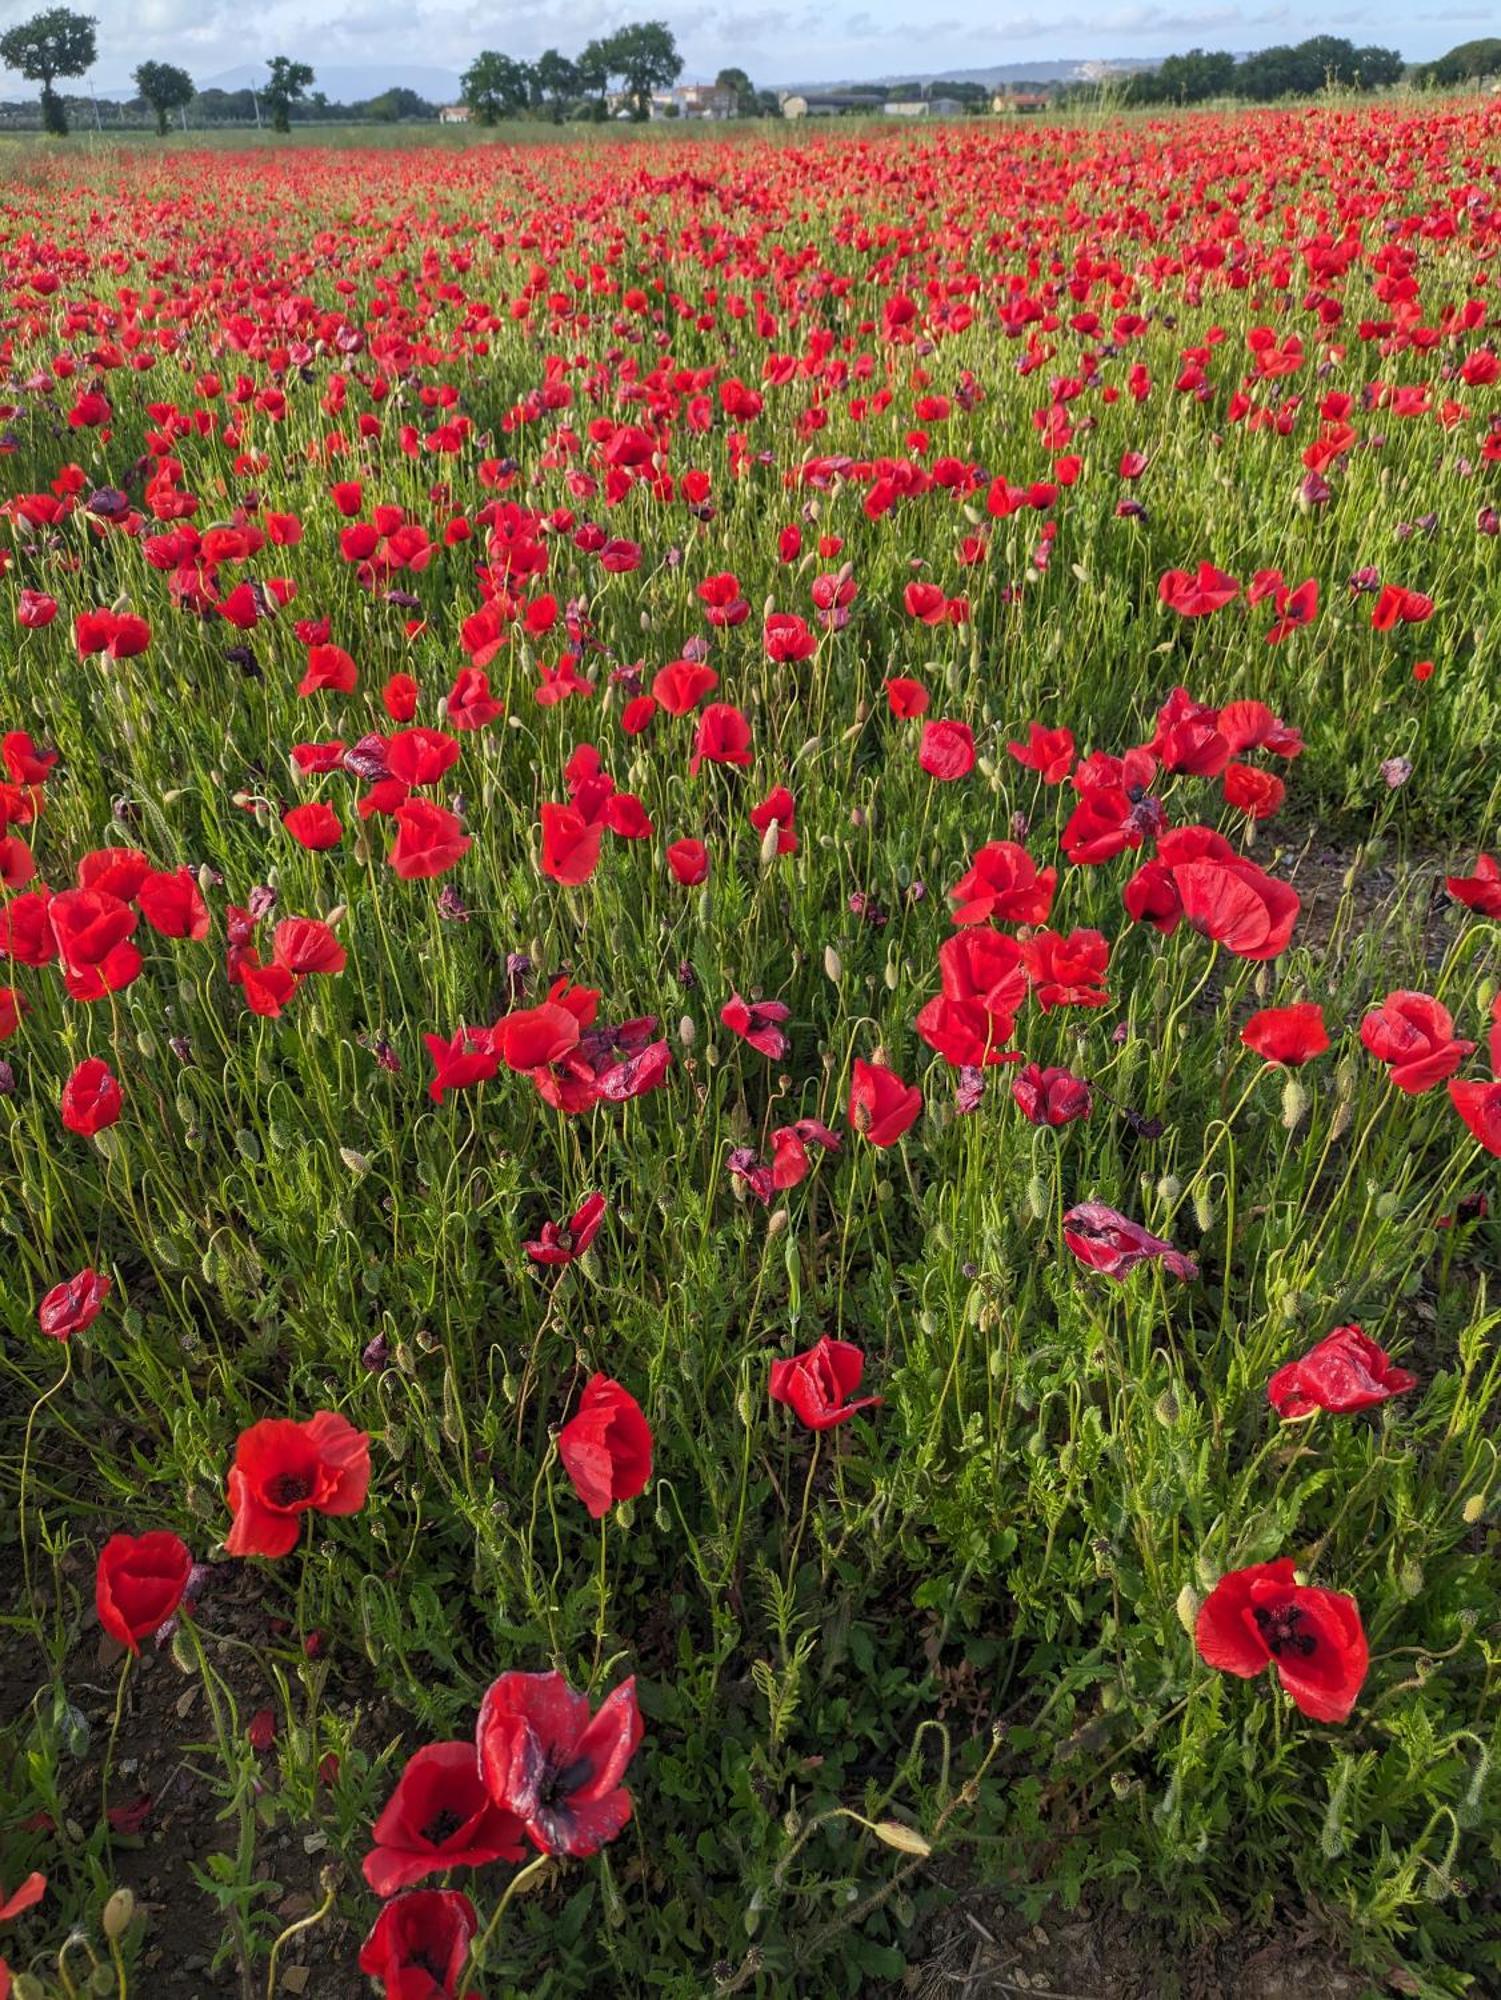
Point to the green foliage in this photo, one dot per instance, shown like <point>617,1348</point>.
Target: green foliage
<point>496,86</point>
<point>165,88</point>
<point>286,84</point>
<point>57,42</point>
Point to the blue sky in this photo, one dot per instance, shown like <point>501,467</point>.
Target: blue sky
<point>776,42</point>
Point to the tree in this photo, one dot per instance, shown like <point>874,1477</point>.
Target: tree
<point>747,104</point>
<point>49,45</point>
<point>397,103</point>
<point>645,54</point>
<point>285,87</point>
<point>495,86</point>
<point>556,79</point>
<point>165,88</point>
<point>593,66</point>
<point>1464,63</point>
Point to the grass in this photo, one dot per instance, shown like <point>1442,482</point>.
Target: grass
<point>946,1646</point>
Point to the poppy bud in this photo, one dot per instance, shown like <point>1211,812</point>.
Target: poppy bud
<point>118,1912</point>
<point>1204,1211</point>
<point>1165,1409</point>
<point>833,964</point>
<point>1294,1104</point>
<point>357,1163</point>
<point>770,843</point>
<point>1473,1508</point>
<point>1037,1198</point>
<point>182,1654</point>
<point>1168,1189</point>
<point>687,1031</point>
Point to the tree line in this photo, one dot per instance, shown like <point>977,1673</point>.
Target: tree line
<point>1286,70</point>
<point>642,57</point>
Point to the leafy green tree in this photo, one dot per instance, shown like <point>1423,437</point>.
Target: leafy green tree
<point>746,101</point>
<point>593,66</point>
<point>1195,77</point>
<point>52,44</point>
<point>286,86</point>
<point>645,55</point>
<point>1464,63</point>
<point>556,80</point>
<point>495,86</point>
<point>397,103</point>
<point>166,88</point>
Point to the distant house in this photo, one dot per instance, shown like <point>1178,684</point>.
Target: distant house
<point>453,114</point>
<point>706,100</point>
<point>923,107</point>
<point>829,104</point>
<point>1019,103</point>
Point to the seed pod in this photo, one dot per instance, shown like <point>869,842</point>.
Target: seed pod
<point>833,964</point>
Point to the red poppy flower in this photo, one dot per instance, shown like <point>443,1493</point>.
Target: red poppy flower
<point>399,697</point>
<point>1251,725</point>
<point>1346,1370</point>
<point>566,1242</point>
<point>468,1057</point>
<point>790,1164</point>
<point>907,699</point>
<point>1237,905</point>
<point>139,1583</point>
<point>22,1898</point>
<point>173,905</point>
<point>439,1816</point>
<point>1048,752</point>
<point>1051,1096</point>
<point>420,756</point>
<point>470,704</point>
<point>419,1943</point>
<point>534,1037</point>
<point>1480,891</point>
<point>307,945</point>
<point>283,1470</point>
<point>570,844</point>
<point>1256,793</point>
<point>1106,1241</point>
<point>545,1759</point>
<point>1479,1105</point>
<point>881,1106</point>
<point>1067,971</point>
<point>315,826</point>
<point>1413,1034</point>
<point>819,1383</point>
<point>1291,1035</point>
<point>787,638</point>
<point>1313,1639</point>
<point>12,1006</point>
<point>925,602</point>
<point>947,750</point>
<point>1188,737</point>
<point>758,1022</point>
<point>1196,595</point>
<point>91,1099</point>
<point>1003,883</point>
<point>35,609</point>
<point>724,737</point>
<point>87,925</point>
<point>606,1446</point>
<point>689,862</point>
<point>429,842</point>
<point>24,763</point>
<point>682,685</point>
<point>777,809</point>
<point>74,1304</point>
<point>328,667</point>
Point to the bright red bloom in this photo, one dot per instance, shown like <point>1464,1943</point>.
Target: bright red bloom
<point>606,1446</point>
<point>1050,1096</point>
<point>328,667</point>
<point>758,1022</point>
<point>570,843</point>
<point>787,638</point>
<point>429,842</point>
<point>1048,752</point>
<point>91,1099</point>
<point>1067,971</point>
<point>421,756</point>
<point>1106,1241</point>
<point>469,1057</point>
<point>1003,883</point>
<point>1479,1105</point>
<point>283,1470</point>
<point>1346,1370</point>
<point>566,1242</point>
<point>399,697</point>
<point>689,862</point>
<point>1396,606</point>
<point>907,699</point>
<point>439,1816</point>
<point>418,1944</point>
<point>724,737</point>
<point>682,685</point>
<point>545,1759</point>
<point>87,925</point>
<point>1413,1034</point>
<point>947,750</point>
<point>790,1164</point>
<point>1263,1617</point>
<point>306,944</point>
<point>777,809</point>
<point>1292,1035</point>
<point>1256,793</point>
<point>881,1106</point>
<point>1238,905</point>
<point>983,984</point>
<point>1480,891</point>
<point>818,1384</point>
<point>139,1583</point>
<point>1251,725</point>
<point>74,1304</point>
<point>470,703</point>
<point>173,905</point>
<point>1197,595</point>
<point>315,826</point>
<point>12,1006</point>
<point>535,1037</point>
<point>24,763</point>
<point>1295,609</point>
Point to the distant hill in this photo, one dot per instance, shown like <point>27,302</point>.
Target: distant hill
<point>995,73</point>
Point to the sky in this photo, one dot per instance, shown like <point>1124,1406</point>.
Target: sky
<point>800,41</point>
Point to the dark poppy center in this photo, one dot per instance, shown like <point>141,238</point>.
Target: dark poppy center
<point>563,1780</point>
<point>442,1826</point>
<point>1280,1627</point>
<point>288,1488</point>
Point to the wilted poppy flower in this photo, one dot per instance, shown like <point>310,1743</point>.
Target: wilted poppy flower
<point>1050,1096</point>
<point>430,841</point>
<point>819,1383</point>
<point>789,1150</point>
<point>544,1758</point>
<point>1313,1639</point>
<point>439,1816</point>
<point>91,1098</point>
<point>1106,1241</point>
<point>566,1242</point>
<point>1480,891</point>
<point>1003,884</point>
<point>283,1470</point>
<point>881,1106</point>
<point>1346,1370</point>
<point>139,1582</point>
<point>1479,1105</point>
<point>606,1446</point>
<point>1291,1035</point>
<point>758,1022</point>
<point>74,1304</point>
<point>418,1944</point>
<point>1413,1034</point>
<point>947,750</point>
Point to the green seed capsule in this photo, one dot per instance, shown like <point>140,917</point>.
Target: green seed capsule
<point>1204,1211</point>
<point>1294,1104</point>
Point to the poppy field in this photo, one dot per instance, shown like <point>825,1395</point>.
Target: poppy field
<point>750,1061</point>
